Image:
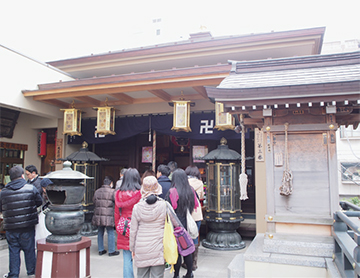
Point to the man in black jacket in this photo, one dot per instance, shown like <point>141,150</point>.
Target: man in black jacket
<point>162,174</point>
<point>33,178</point>
<point>18,203</point>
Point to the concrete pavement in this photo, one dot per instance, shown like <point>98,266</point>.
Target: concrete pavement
<point>211,263</point>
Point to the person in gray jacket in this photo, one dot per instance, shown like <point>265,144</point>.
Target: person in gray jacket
<point>18,203</point>
<point>104,201</point>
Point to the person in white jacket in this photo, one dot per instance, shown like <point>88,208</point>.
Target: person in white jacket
<point>147,230</point>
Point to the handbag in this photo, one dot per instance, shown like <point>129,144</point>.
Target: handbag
<point>123,226</point>
<point>191,226</point>
<point>169,242</point>
<point>185,243</point>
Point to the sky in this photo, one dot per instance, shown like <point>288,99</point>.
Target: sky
<point>53,30</point>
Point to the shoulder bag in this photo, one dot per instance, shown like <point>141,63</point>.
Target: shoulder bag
<point>191,226</point>
<point>123,226</point>
<point>169,242</point>
<point>184,241</point>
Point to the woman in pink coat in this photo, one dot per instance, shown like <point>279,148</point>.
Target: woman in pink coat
<point>125,199</point>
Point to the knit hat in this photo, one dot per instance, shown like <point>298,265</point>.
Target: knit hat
<point>150,186</point>
<point>45,182</point>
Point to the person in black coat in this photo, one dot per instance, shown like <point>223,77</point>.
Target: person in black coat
<point>18,203</point>
<point>33,178</point>
<point>162,174</point>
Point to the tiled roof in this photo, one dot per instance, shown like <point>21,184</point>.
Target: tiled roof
<point>291,77</point>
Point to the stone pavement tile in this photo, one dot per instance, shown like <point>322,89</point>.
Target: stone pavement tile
<point>212,263</point>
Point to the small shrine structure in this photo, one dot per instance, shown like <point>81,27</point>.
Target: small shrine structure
<point>295,105</point>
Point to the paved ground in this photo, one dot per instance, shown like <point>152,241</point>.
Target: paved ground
<point>211,263</point>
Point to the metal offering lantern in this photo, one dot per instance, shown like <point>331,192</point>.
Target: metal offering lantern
<point>66,217</point>
<point>85,162</point>
<point>223,212</point>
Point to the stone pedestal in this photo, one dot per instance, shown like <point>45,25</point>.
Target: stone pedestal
<point>223,236</point>
<point>63,260</point>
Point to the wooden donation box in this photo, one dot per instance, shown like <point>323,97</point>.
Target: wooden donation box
<point>63,260</point>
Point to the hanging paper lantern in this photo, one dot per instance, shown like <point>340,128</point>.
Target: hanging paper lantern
<point>105,120</point>
<point>223,121</point>
<point>181,120</point>
<point>72,121</point>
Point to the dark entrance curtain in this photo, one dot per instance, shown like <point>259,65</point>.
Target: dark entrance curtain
<point>201,124</point>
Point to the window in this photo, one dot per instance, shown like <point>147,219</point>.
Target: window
<point>349,132</point>
<point>350,171</point>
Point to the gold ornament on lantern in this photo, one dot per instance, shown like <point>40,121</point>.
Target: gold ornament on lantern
<point>105,120</point>
<point>72,121</point>
<point>223,121</point>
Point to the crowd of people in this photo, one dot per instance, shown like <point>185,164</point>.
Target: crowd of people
<point>141,200</point>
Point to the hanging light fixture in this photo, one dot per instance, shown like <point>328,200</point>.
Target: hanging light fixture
<point>181,118</point>
<point>72,121</point>
<point>223,121</point>
<point>105,119</point>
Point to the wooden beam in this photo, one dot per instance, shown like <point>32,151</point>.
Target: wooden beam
<point>90,100</point>
<point>124,98</point>
<point>57,103</point>
<point>125,87</point>
<point>142,101</point>
<point>161,94</point>
<point>201,90</point>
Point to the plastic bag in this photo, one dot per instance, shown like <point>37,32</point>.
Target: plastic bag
<point>40,229</point>
<point>191,226</point>
<point>170,245</point>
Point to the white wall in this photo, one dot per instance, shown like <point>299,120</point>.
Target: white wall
<point>19,73</point>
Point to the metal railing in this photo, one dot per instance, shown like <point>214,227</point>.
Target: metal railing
<point>346,232</point>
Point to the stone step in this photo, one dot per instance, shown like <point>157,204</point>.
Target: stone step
<point>303,245</point>
<point>255,252</point>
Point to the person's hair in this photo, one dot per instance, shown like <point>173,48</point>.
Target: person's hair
<point>172,165</point>
<point>123,170</point>
<point>31,168</point>
<point>164,170</point>
<point>131,180</point>
<point>108,180</point>
<point>193,171</point>
<point>186,195</point>
<point>16,172</point>
<point>146,174</point>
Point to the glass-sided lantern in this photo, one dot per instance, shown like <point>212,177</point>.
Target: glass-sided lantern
<point>223,212</point>
<point>72,121</point>
<point>223,121</point>
<point>105,120</point>
<point>181,120</point>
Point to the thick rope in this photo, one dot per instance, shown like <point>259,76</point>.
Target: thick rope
<point>286,187</point>
<point>154,151</point>
<point>243,178</point>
